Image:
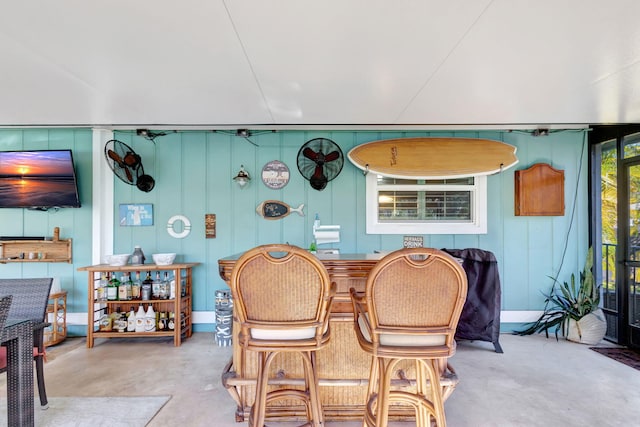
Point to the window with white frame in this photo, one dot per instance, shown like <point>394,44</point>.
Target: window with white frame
<point>426,206</point>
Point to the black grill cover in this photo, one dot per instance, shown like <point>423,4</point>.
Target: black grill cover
<point>480,318</point>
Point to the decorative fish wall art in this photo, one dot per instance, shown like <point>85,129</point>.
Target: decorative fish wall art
<point>274,209</point>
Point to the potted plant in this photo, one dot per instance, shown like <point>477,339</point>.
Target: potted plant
<point>573,309</point>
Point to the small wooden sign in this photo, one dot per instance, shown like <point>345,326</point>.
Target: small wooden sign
<point>210,226</point>
<point>275,209</point>
<point>412,241</point>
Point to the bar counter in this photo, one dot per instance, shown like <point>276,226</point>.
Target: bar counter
<point>343,368</point>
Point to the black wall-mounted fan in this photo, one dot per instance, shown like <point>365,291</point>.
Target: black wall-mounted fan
<point>127,165</point>
<point>319,161</point>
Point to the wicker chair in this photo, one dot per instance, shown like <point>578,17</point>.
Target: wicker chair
<point>411,306</point>
<point>5,305</point>
<point>282,298</point>
<point>30,299</point>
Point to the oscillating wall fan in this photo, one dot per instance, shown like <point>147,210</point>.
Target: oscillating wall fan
<point>127,165</point>
<point>319,161</point>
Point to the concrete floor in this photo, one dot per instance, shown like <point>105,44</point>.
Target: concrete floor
<point>536,382</point>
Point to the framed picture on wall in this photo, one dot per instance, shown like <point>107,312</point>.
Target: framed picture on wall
<point>136,214</point>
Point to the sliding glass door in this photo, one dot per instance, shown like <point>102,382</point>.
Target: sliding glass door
<point>615,209</point>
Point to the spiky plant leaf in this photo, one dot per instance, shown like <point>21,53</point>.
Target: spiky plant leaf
<point>567,300</point>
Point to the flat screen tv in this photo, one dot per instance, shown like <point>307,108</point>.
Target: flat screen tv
<point>41,179</point>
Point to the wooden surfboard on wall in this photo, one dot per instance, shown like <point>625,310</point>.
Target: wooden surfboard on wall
<point>423,158</point>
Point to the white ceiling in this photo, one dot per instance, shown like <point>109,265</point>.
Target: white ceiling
<point>289,63</point>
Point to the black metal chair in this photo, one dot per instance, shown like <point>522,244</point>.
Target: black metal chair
<point>30,299</point>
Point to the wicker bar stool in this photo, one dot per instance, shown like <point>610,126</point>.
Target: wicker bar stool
<point>411,306</point>
<point>282,297</point>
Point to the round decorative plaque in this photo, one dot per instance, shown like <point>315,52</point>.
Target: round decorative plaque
<point>275,174</point>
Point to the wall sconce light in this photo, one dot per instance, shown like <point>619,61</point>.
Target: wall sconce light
<point>242,178</point>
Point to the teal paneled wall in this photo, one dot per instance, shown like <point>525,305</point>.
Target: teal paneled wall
<point>194,170</point>
<point>73,223</point>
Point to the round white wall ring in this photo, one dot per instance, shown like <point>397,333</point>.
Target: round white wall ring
<point>186,227</point>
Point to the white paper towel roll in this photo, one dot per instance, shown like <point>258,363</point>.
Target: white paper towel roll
<point>327,234</point>
<point>55,286</point>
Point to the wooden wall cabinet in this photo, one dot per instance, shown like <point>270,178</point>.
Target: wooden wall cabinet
<point>539,191</point>
<point>180,305</point>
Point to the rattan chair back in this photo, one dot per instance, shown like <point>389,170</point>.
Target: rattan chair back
<point>282,296</point>
<point>281,287</point>
<point>416,291</point>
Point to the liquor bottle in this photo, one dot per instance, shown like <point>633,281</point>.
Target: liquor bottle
<point>112,288</point>
<point>145,291</point>
<point>140,319</point>
<point>156,287</point>
<point>150,320</point>
<point>171,324</point>
<point>166,284</point>
<point>124,321</point>
<point>129,287</point>
<point>162,321</point>
<point>119,322</point>
<point>124,290</point>
<point>101,294</point>
<point>172,288</point>
<point>105,323</point>
<point>135,287</point>
<point>131,320</point>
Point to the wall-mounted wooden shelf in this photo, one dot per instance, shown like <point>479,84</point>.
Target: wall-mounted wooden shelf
<point>54,250</point>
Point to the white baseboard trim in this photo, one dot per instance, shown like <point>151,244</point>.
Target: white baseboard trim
<point>513,316</point>
<point>209,317</point>
<point>77,319</point>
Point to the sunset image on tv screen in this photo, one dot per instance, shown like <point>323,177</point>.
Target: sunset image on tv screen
<point>37,179</point>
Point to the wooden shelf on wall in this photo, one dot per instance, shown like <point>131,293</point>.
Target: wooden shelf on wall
<point>54,250</point>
